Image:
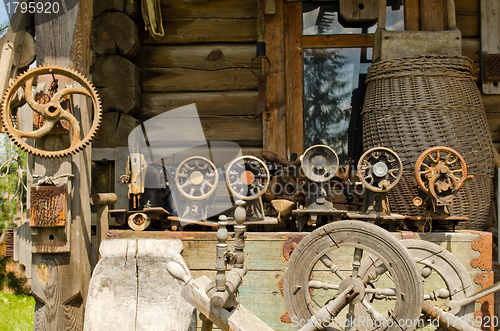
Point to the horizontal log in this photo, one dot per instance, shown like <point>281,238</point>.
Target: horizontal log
<point>466,7</point>
<point>494,124</point>
<point>208,103</point>
<point>244,130</point>
<point>178,80</point>
<point>491,103</point>
<point>205,57</point>
<point>471,47</point>
<point>234,128</point>
<point>206,30</point>
<point>209,9</point>
<point>468,25</point>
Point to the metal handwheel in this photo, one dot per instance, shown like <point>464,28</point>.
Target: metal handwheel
<point>247,177</point>
<point>441,171</point>
<point>329,260</point>
<point>196,178</point>
<point>52,110</point>
<point>380,169</point>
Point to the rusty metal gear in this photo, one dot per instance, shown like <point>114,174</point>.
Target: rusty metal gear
<point>52,112</point>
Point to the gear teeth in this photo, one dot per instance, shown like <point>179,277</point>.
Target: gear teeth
<point>71,73</point>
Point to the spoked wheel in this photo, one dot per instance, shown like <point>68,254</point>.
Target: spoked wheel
<point>445,278</point>
<point>196,178</point>
<point>334,257</point>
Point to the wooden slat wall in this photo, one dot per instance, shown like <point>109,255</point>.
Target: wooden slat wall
<point>468,21</point>
<point>204,58</point>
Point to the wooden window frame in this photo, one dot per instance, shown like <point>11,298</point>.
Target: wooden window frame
<point>295,43</point>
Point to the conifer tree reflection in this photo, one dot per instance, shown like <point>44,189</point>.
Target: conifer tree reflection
<point>327,106</point>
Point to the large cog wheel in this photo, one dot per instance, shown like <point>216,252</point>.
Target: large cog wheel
<point>51,111</point>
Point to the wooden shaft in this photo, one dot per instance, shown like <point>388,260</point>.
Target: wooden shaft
<point>233,281</point>
<point>381,14</point>
<point>102,200</point>
<point>330,310</point>
<point>447,320</point>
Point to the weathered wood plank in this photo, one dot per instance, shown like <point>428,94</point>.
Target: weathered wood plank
<point>202,30</point>
<point>412,16</point>
<point>209,9</point>
<point>468,25</point>
<point>471,47</point>
<point>60,281</point>
<point>274,118</point>
<point>491,103</point>
<point>490,38</point>
<point>180,79</point>
<point>239,103</point>
<point>431,15</point>
<point>467,7</point>
<point>494,124</point>
<point>295,92</point>
<point>205,57</point>
<point>327,41</point>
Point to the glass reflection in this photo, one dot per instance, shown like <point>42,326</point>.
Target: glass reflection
<point>333,87</point>
<point>324,19</point>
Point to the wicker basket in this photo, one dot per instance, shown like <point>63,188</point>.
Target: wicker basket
<point>416,103</point>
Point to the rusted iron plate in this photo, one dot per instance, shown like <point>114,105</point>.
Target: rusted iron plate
<point>48,206</point>
<point>492,66</point>
<point>290,243</point>
<point>485,263</point>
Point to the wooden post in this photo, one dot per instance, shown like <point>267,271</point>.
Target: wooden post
<point>102,201</point>
<point>60,280</point>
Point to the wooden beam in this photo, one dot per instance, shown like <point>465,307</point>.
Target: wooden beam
<point>469,25</point>
<point>206,30</point>
<point>172,9</point>
<point>328,41</point>
<point>412,17</point>
<point>431,15</point>
<point>274,118</point>
<point>224,103</point>
<point>60,281</point>
<point>200,57</point>
<point>295,77</point>
<point>179,80</point>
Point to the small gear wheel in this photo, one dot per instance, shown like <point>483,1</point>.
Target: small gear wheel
<point>52,111</point>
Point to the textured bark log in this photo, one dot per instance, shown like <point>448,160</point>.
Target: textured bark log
<point>114,130</point>
<point>205,57</point>
<point>118,82</point>
<point>129,7</point>
<point>116,33</point>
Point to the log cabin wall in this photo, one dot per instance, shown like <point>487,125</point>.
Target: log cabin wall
<point>203,58</point>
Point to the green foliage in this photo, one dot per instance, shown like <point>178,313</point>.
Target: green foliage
<point>10,280</point>
<point>12,182</point>
<point>17,312</point>
<point>3,28</point>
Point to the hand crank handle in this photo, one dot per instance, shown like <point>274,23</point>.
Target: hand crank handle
<point>484,292</point>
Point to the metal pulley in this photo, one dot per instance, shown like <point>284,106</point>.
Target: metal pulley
<point>440,173</point>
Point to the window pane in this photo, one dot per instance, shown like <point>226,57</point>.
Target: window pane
<point>333,86</point>
<point>320,18</point>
